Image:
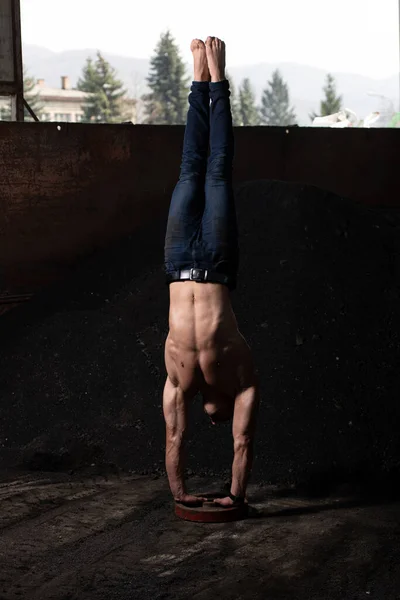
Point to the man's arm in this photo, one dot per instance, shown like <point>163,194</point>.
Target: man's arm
<point>243,431</point>
<point>175,421</point>
<point>175,414</point>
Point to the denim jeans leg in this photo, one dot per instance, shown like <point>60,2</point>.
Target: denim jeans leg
<point>219,226</point>
<point>187,203</point>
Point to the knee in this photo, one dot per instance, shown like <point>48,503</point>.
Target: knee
<point>191,174</point>
<point>219,166</point>
<point>193,167</point>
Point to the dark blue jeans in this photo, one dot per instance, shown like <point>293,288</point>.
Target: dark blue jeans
<point>202,227</point>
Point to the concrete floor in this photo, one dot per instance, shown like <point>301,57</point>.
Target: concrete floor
<point>91,536</point>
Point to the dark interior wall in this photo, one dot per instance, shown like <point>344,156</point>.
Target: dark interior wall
<point>69,190</point>
<point>318,299</point>
<point>360,164</point>
<point>66,190</point>
<point>82,369</point>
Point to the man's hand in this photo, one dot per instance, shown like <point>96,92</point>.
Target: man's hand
<point>190,500</point>
<point>225,502</point>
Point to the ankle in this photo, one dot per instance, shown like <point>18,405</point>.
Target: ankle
<point>201,78</point>
<point>217,77</point>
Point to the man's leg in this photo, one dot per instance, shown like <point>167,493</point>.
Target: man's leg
<point>187,204</point>
<point>219,227</point>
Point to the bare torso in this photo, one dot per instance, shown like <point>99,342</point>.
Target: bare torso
<point>204,350</point>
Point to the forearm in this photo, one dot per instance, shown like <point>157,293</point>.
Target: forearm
<point>174,463</point>
<point>243,430</point>
<point>241,468</point>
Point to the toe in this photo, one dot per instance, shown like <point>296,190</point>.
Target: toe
<point>195,44</point>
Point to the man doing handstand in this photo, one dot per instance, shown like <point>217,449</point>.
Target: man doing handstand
<point>204,351</point>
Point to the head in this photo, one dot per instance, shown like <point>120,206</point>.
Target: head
<point>219,409</point>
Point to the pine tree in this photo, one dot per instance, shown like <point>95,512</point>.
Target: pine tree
<point>275,103</point>
<point>32,98</point>
<point>166,104</point>
<point>235,109</point>
<point>106,104</point>
<point>5,111</point>
<point>332,103</point>
<point>249,114</point>
<point>88,81</point>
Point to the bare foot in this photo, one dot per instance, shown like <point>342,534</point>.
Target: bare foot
<point>215,49</point>
<point>201,72</point>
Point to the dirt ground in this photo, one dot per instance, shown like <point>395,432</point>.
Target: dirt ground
<point>93,536</point>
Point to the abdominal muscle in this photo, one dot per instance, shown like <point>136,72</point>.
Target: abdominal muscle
<point>204,350</point>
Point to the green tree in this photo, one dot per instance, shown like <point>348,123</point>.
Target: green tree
<point>5,111</point>
<point>249,114</point>
<point>166,104</point>
<point>106,103</point>
<point>332,103</point>
<point>235,108</point>
<point>31,96</point>
<point>275,103</point>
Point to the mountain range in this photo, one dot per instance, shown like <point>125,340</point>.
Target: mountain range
<point>305,82</point>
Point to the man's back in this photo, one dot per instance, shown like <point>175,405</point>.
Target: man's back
<point>205,350</point>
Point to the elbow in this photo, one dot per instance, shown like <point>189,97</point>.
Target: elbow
<point>242,444</point>
<point>175,438</point>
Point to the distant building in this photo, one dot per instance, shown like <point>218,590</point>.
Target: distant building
<point>60,104</point>
<point>64,104</point>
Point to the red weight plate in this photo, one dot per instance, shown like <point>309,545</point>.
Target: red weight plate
<point>210,512</point>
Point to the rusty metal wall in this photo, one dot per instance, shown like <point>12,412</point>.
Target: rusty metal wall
<point>67,190</point>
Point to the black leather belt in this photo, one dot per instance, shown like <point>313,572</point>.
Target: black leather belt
<point>198,275</point>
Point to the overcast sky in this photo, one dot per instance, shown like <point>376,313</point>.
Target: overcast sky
<point>359,36</point>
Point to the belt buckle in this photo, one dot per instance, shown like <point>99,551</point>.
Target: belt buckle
<point>198,275</point>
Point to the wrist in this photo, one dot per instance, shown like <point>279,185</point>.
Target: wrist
<point>236,499</point>
<point>178,490</point>
<point>179,494</point>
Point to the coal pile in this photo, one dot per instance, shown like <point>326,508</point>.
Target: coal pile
<point>318,300</point>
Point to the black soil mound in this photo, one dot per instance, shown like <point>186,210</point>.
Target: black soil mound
<point>318,300</point>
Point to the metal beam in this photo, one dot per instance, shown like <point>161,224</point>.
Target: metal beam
<point>17,107</point>
<point>7,88</point>
<point>11,70</point>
